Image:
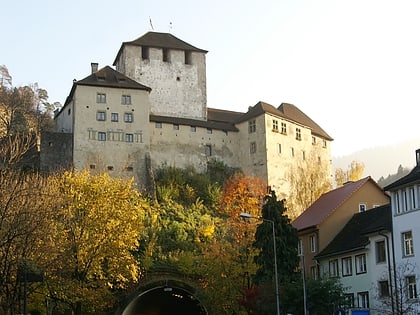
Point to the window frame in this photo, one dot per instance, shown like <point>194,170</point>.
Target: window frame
<point>114,117</point>
<point>283,128</point>
<point>101,136</point>
<point>411,286</point>
<point>383,288</point>
<point>101,98</point>
<point>360,261</point>
<point>129,137</point>
<point>407,244</point>
<point>347,266</point>
<point>128,117</point>
<point>125,99</point>
<point>275,125</point>
<point>252,126</point>
<point>363,299</point>
<point>333,270</point>
<point>252,147</point>
<point>298,134</point>
<point>380,251</point>
<point>313,243</point>
<point>101,115</point>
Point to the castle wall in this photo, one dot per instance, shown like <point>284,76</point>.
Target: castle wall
<point>178,89</point>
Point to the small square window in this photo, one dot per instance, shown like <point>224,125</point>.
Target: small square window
<point>158,125</point>
<point>275,125</point>
<point>129,168</point>
<point>129,137</point>
<point>100,98</point>
<point>209,130</point>
<point>102,136</point>
<point>110,168</point>
<point>100,116</point>
<point>193,129</point>
<point>114,117</point>
<point>126,99</point>
<point>128,117</point>
<point>362,207</point>
<point>176,126</point>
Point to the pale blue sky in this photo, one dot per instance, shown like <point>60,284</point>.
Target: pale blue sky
<point>353,66</point>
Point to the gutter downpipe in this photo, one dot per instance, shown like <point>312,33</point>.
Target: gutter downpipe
<point>389,270</point>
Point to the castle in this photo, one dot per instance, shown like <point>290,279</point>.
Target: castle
<point>151,110</point>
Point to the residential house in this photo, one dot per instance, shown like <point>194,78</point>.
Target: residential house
<point>323,220</point>
<point>152,111</point>
<point>405,205</point>
<point>360,257</point>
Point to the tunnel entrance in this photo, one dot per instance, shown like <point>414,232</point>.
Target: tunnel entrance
<point>165,300</point>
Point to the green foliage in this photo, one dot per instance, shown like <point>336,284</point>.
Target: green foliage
<point>286,242</point>
<point>323,296</point>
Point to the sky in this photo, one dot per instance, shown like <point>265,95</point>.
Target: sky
<point>353,66</point>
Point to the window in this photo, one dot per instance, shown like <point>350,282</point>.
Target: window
<point>110,168</point>
<point>278,148</point>
<point>303,155</point>
<point>411,287</point>
<point>252,127</point>
<point>360,263</point>
<point>193,129</point>
<point>100,98</point>
<point>314,142</point>
<point>300,247</point>
<point>126,99</point>
<point>209,130</point>
<point>101,136</point>
<point>349,298</point>
<point>346,265</point>
<point>292,152</point>
<point>275,125</point>
<point>283,128</point>
<point>128,117</point>
<point>298,134</point>
<point>176,126</point>
<point>312,243</point>
<point>363,299</point>
<point>165,55</point>
<point>158,125</point>
<point>397,202</point>
<point>413,198</point>
<point>408,248</point>
<point>383,288</point>
<point>333,268</point>
<point>362,207</point>
<point>100,116</point>
<point>253,147</point>
<point>380,252</point>
<point>188,57</point>
<point>324,143</point>
<point>208,150</point>
<point>405,201</point>
<point>92,166</point>
<point>129,168</point>
<point>144,52</point>
<point>114,117</point>
<point>129,137</point>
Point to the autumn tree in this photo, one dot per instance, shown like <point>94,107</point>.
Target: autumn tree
<point>26,214</point>
<point>308,179</point>
<point>24,114</point>
<point>353,173</point>
<point>96,230</point>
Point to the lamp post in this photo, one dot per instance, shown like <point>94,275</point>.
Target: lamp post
<point>245,215</point>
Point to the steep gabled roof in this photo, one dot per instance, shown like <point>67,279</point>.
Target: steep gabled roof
<point>354,235</point>
<point>327,204</point>
<point>411,178</point>
<point>160,40</point>
<point>286,111</point>
<point>109,77</point>
<point>106,77</point>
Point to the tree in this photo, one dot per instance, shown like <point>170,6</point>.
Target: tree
<point>96,231</point>
<point>399,297</point>
<point>286,245</point>
<point>353,173</point>
<point>26,214</point>
<point>308,179</point>
<point>24,114</point>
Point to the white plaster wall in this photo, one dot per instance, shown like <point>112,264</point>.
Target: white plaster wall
<point>178,89</point>
<point>116,154</point>
<point>64,121</point>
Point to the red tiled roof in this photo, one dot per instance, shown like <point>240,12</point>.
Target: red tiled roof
<point>327,204</point>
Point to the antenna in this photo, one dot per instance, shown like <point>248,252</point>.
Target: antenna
<point>170,27</point>
<point>151,24</point>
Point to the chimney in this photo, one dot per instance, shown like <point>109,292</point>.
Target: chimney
<point>418,157</point>
<point>94,66</point>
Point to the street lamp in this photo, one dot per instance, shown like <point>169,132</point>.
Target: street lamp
<point>245,215</point>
